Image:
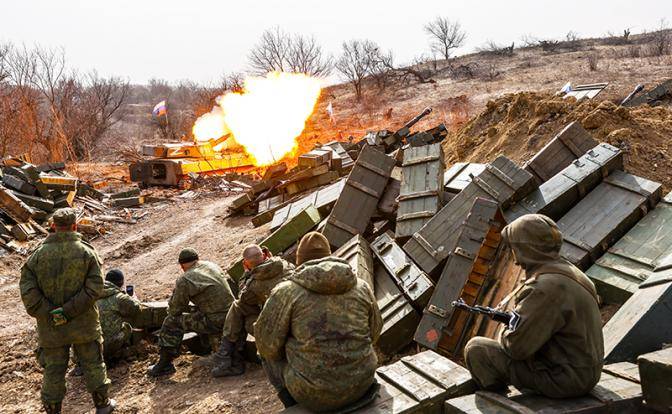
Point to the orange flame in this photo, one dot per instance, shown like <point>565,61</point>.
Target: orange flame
<point>266,117</point>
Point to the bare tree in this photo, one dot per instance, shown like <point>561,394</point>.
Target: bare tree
<point>62,112</point>
<point>494,48</point>
<point>356,61</point>
<point>282,52</point>
<point>445,35</point>
<point>661,43</point>
<point>305,56</point>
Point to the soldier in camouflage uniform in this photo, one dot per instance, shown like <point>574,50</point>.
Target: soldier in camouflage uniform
<point>206,286</point>
<point>117,311</point>
<point>59,285</point>
<point>557,346</point>
<point>316,332</point>
<point>262,273</point>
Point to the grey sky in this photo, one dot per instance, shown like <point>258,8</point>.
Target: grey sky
<point>199,40</point>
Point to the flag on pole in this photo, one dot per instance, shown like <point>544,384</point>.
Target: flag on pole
<point>160,109</point>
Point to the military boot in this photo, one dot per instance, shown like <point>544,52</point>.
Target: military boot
<point>286,398</point>
<point>227,361</point>
<point>52,408</point>
<point>165,365</point>
<point>108,408</point>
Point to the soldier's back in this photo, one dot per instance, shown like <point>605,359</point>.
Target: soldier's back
<point>210,291</point>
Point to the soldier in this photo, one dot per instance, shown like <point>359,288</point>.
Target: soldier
<point>117,309</point>
<point>262,273</point>
<point>205,285</point>
<point>59,285</point>
<point>557,347</point>
<point>316,332</point>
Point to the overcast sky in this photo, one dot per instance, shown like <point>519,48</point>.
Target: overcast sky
<point>199,39</point>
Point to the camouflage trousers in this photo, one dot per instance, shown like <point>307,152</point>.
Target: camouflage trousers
<point>55,364</point>
<point>275,372</point>
<point>174,327</point>
<point>493,369</point>
<point>116,346</point>
<point>240,321</point>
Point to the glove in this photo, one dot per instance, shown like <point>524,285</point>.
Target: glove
<point>58,317</point>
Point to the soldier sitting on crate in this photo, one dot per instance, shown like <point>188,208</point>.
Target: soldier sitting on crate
<point>262,273</point>
<point>557,347</point>
<point>316,332</point>
<point>205,285</point>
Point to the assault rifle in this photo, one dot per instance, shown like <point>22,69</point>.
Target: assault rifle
<point>510,319</point>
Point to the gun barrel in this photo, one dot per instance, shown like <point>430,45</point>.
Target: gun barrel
<point>421,115</point>
<point>220,140</point>
<point>632,94</point>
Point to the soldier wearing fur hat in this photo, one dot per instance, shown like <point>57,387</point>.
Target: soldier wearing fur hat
<point>205,285</point>
<point>313,352</point>
<point>60,283</point>
<point>557,347</point>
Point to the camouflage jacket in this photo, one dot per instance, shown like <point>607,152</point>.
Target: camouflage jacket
<point>207,287</point>
<point>560,321</point>
<point>256,284</point>
<point>115,308</point>
<point>63,272</point>
<point>324,321</point>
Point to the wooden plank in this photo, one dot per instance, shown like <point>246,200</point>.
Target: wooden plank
<point>267,209</point>
<point>569,144</point>
<point>421,191</point>
<point>309,183</point>
<point>358,200</point>
<point>611,395</point>
<point>415,284</point>
<point>323,199</point>
<point>501,181</point>
<point>358,253</point>
<point>458,176</point>
<point>483,222</point>
<point>60,183</point>
<point>281,239</point>
<point>656,372</point>
<point>399,317</point>
<point>641,324</point>
<point>629,262</point>
<point>557,196</point>
<point>605,215</point>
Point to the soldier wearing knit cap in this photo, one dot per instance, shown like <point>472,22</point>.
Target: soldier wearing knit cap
<point>313,352</point>
<point>206,286</point>
<point>557,347</point>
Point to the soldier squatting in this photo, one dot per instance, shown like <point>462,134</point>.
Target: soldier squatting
<point>315,325</point>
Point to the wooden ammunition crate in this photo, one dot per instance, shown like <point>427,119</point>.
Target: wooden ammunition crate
<point>501,181</point>
<point>358,200</point>
<point>605,215</point>
<point>54,182</point>
<point>642,324</point>
<point>464,276</point>
<point>323,199</point>
<point>389,202</point>
<point>358,253</point>
<point>415,384</point>
<point>629,262</point>
<point>340,159</point>
<point>415,284</point>
<point>267,209</point>
<point>151,315</point>
<point>16,183</point>
<point>313,182</point>
<point>399,317</point>
<point>556,196</point>
<point>571,143</point>
<point>458,176</point>
<point>421,192</point>
<point>618,393</point>
<point>285,236</point>
<point>655,370</point>
<point>315,157</point>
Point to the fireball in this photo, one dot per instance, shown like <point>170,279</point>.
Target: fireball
<point>266,117</point>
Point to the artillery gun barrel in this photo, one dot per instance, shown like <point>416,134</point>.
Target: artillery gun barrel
<point>415,120</point>
<point>219,140</point>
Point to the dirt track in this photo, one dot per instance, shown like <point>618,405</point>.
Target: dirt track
<point>147,252</point>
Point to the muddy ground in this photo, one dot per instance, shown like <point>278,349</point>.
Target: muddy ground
<point>147,253</point>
